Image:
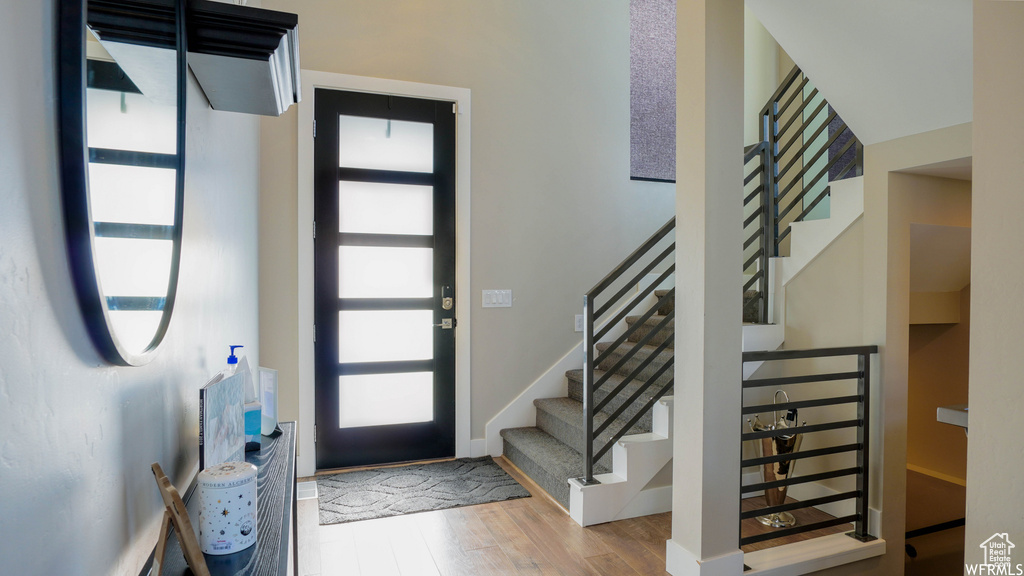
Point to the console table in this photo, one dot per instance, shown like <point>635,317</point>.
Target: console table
<point>275,552</point>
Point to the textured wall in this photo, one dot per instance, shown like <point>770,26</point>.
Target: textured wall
<point>652,89</point>
<point>76,493</point>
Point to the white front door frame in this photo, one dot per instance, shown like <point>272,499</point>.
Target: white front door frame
<point>311,80</point>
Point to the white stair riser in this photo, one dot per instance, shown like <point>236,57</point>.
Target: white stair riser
<point>636,460</point>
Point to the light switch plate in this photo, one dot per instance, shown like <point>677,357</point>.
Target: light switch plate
<point>497,298</point>
<point>579,322</point>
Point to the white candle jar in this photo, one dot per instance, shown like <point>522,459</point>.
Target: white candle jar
<point>227,508</point>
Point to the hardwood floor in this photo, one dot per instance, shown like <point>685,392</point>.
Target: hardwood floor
<point>526,536</point>
<point>804,516</point>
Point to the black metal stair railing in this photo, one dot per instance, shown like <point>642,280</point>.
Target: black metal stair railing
<point>804,145</point>
<point>622,293</point>
<point>811,385</point>
<point>785,179</point>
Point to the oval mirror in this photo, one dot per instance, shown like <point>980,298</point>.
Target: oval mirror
<point>122,95</point>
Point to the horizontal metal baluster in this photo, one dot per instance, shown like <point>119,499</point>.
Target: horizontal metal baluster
<point>636,300</point>
<point>803,171</point>
<point>797,115</point>
<point>783,532</point>
<point>810,186</point>
<point>632,283</point>
<point>635,373</point>
<point>753,238</point>
<point>801,455</point>
<point>629,332</point>
<point>753,216</point>
<point>753,174</point>
<point>627,356</point>
<point>757,275</point>
<point>753,194</point>
<point>808,142</point>
<point>792,97</point>
<point>784,406</point>
<point>632,258</point>
<point>751,260</point>
<point>632,421</point>
<point>813,502</point>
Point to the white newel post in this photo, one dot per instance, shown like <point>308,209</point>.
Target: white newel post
<point>709,212</point>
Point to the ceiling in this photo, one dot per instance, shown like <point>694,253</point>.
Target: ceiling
<point>890,69</point>
<point>959,169</point>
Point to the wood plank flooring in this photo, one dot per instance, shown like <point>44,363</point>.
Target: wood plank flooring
<point>526,536</point>
<point>804,516</point>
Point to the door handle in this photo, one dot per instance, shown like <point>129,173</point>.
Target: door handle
<point>446,323</point>
<point>447,302</point>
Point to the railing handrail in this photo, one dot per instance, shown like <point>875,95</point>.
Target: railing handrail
<point>632,258</point>
<point>783,87</point>
<point>769,355</point>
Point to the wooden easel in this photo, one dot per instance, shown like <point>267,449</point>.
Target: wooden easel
<point>175,514</point>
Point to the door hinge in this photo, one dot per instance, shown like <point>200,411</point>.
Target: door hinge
<point>455,107</point>
<point>314,128</point>
<point>314,229</point>
<point>314,333</point>
<point>314,433</point>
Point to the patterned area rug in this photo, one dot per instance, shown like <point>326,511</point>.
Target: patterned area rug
<point>380,492</point>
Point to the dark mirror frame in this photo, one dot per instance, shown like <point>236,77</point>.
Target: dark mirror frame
<point>153,23</point>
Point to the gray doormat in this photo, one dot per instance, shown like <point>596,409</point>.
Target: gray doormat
<point>381,492</point>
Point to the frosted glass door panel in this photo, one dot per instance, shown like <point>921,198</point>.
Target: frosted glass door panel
<point>379,144</point>
<point>372,208</point>
<point>382,399</point>
<point>149,273</point>
<point>385,272</point>
<point>385,335</point>
<point>131,194</point>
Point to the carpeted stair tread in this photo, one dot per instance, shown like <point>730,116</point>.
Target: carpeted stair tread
<point>575,378</point>
<point>562,418</point>
<point>749,308</point>
<point>667,332</point>
<point>669,305</point>
<point>643,352</point>
<point>545,460</point>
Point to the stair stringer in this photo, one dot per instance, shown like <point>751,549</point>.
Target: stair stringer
<point>623,493</point>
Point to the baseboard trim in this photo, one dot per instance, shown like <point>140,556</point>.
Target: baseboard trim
<point>681,562</point>
<point>478,447</point>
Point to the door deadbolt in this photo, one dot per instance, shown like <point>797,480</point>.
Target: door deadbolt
<point>447,302</point>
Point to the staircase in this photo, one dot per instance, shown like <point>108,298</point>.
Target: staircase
<point>624,469</point>
<point>551,452</point>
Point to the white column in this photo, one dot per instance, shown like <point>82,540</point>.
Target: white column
<point>709,213</point>
<point>994,463</point>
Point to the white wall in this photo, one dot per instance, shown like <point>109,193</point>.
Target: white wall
<point>76,492</point>
<point>994,463</point>
<point>760,74</point>
<point>552,209</point>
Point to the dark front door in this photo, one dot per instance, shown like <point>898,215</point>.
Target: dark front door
<point>385,278</point>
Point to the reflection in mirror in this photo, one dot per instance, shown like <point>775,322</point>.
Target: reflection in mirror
<point>123,205</point>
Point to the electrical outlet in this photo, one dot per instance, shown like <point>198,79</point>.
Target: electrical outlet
<point>579,322</point>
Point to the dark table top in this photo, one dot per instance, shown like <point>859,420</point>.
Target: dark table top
<point>275,494</point>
